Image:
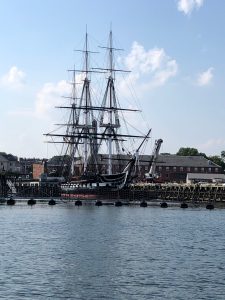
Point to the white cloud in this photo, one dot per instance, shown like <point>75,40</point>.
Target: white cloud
<point>15,78</point>
<point>142,60</point>
<point>187,6</point>
<point>151,68</point>
<point>205,78</point>
<point>50,96</point>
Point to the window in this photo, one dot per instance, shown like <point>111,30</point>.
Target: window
<point>160,168</point>
<point>209,170</point>
<point>188,169</point>
<point>181,169</point>
<point>174,168</point>
<point>167,168</point>
<point>216,170</point>
<point>196,169</point>
<point>202,169</point>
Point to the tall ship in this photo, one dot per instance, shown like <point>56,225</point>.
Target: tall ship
<point>94,133</point>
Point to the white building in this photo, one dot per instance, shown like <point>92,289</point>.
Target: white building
<point>203,177</point>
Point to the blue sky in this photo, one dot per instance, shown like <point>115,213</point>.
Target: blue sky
<point>174,48</point>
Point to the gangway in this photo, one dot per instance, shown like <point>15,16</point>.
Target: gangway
<point>12,188</point>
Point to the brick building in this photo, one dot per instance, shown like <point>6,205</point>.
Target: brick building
<point>174,168</point>
<point>39,169</point>
<point>170,168</point>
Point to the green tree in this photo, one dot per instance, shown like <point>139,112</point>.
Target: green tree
<point>187,151</point>
<point>223,155</point>
<point>217,160</point>
<point>203,154</point>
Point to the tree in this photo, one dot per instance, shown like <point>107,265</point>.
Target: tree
<point>187,151</point>
<point>223,155</point>
<point>217,160</point>
<point>203,154</point>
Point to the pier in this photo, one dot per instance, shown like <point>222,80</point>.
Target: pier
<point>179,192</point>
<point>135,194</point>
<point>142,194</point>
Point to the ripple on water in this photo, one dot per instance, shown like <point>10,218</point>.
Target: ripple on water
<point>64,252</point>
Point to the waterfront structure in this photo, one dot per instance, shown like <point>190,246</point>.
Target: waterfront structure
<point>174,168</point>
<point>26,165</point>
<point>39,169</point>
<point>169,168</point>
<point>205,178</point>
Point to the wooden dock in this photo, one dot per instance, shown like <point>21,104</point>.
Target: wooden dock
<point>150,192</point>
<point>179,192</point>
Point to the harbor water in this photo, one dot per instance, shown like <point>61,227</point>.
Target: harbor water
<point>89,252</point>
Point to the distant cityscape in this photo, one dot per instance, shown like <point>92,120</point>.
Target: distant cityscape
<point>169,167</point>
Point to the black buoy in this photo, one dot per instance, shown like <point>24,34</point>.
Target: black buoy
<point>51,202</point>
<point>164,205</point>
<point>31,201</point>
<point>118,203</point>
<point>98,203</point>
<point>78,202</point>
<point>209,206</point>
<point>11,201</point>
<point>143,204</point>
<point>183,205</point>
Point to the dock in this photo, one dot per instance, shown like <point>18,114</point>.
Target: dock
<point>145,193</point>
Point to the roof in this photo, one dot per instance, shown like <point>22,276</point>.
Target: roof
<point>7,157</point>
<point>165,160</point>
<point>185,161</point>
<point>171,160</point>
<point>3,158</point>
<point>205,176</point>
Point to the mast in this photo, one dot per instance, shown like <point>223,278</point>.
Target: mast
<point>109,118</point>
<point>72,145</point>
<point>70,137</point>
<point>110,103</point>
<point>83,136</point>
<point>109,113</point>
<point>87,125</point>
<point>81,121</point>
<point>86,98</point>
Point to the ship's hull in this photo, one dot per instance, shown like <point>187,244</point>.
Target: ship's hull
<point>124,193</point>
<point>103,185</point>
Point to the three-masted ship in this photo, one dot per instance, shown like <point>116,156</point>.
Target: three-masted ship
<point>92,127</point>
